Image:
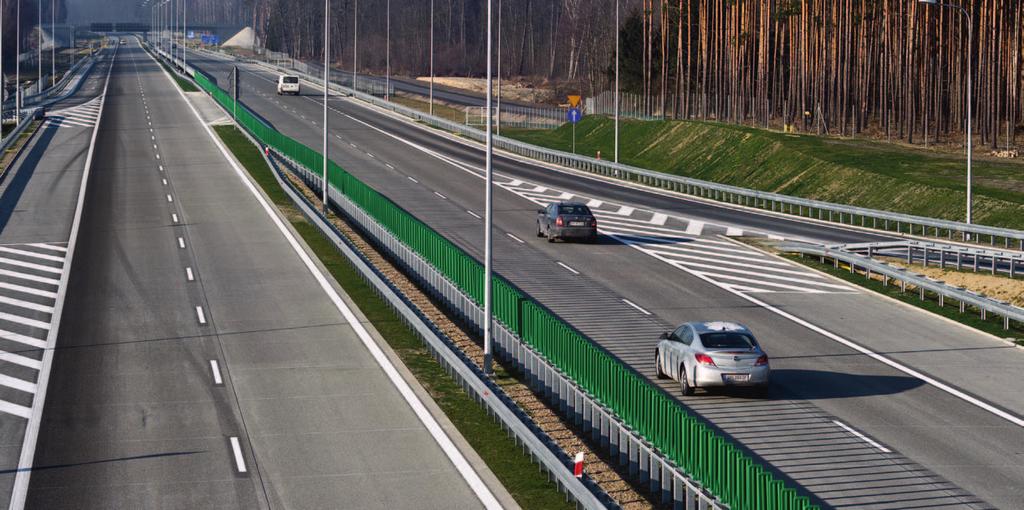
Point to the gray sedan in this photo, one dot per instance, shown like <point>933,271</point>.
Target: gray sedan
<point>706,354</point>
<point>566,220</point>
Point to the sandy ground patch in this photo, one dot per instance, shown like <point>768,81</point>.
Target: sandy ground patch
<point>511,90</point>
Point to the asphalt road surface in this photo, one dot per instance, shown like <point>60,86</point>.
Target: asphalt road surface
<point>202,362</point>
<point>874,404</point>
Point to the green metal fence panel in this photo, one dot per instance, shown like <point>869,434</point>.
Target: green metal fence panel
<point>706,456</point>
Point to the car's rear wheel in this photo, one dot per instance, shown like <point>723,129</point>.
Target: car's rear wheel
<point>684,383</point>
<point>551,237</point>
<point>657,366</point>
<point>540,233</point>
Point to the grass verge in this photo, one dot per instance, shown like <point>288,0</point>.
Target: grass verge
<point>185,85</point>
<point>971,317</point>
<point>517,473</point>
<point>441,110</point>
<point>848,171</point>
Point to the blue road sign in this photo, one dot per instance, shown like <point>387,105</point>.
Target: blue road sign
<point>191,34</point>
<point>574,115</point>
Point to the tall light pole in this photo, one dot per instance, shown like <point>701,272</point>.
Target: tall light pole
<point>355,42</point>
<point>327,75</point>
<point>387,58</point>
<point>17,60</point>
<point>488,212</point>
<point>970,67</point>
<point>498,120</point>
<point>617,81</point>
<point>184,34</point>
<point>39,50</point>
<point>431,57</point>
<point>53,46</point>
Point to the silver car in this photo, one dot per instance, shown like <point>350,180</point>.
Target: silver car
<point>706,354</point>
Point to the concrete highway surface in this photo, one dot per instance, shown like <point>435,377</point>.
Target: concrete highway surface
<point>874,404</point>
<point>203,360</point>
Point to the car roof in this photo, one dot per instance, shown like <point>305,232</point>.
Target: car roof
<point>716,326</point>
<point>572,203</point>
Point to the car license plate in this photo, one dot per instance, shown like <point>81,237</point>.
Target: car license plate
<point>735,378</point>
<point>577,223</point>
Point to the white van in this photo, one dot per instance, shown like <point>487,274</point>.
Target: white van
<point>287,84</point>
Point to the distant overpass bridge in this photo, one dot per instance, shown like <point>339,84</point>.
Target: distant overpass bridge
<point>145,27</point>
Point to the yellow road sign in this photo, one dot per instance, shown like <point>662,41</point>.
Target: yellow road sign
<point>574,101</point>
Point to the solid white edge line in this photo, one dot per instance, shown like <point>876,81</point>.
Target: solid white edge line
<point>19,491</point>
<point>571,270</point>
<point>862,437</point>
<point>634,305</point>
<point>236,449</point>
<point>468,473</point>
<point>215,368</point>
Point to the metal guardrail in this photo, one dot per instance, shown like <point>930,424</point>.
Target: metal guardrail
<point>982,303</point>
<point>775,202</point>
<point>57,87</point>
<point>942,255</point>
<point>11,137</point>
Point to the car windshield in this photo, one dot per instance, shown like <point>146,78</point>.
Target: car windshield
<point>727,340</point>
<point>290,79</point>
<point>574,209</point>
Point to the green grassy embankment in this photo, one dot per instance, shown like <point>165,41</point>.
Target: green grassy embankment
<point>517,473</point>
<point>856,172</point>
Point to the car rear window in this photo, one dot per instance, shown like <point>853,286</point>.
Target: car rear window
<point>290,79</point>
<point>574,209</point>
<point>727,340</point>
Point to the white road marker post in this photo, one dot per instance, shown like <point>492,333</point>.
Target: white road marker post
<point>577,468</point>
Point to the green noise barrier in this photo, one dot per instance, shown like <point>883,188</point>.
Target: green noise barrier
<point>721,467</point>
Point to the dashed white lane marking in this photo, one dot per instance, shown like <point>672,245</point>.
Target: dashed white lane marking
<point>164,181</point>
<point>413,179</point>
<point>239,459</point>
<point>571,270</point>
<point>514,238</point>
<point>473,214</point>
<point>659,219</point>
<point>189,275</point>
<point>389,166</point>
<point>181,243</point>
<point>200,315</point>
<point>157,156</point>
<point>215,369</point>
<point>371,155</point>
<point>864,438</point>
<point>160,167</point>
<point>170,198</point>
<point>440,195</point>
<point>174,217</point>
<point>634,305</point>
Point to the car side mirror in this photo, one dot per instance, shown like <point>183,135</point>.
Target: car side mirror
<point>664,335</point>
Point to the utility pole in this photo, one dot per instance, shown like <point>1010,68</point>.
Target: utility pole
<point>498,120</point>
<point>327,76</point>
<point>489,213</point>
<point>355,42</point>
<point>617,28</point>
<point>431,57</point>
<point>387,58</point>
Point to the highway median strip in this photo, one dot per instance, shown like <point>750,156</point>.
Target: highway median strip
<point>503,456</point>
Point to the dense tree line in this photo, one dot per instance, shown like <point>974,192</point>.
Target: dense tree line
<point>889,68</point>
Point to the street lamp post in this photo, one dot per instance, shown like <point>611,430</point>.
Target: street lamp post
<point>327,74</point>
<point>355,42</point>
<point>616,81</point>
<point>498,112</point>
<point>970,67</point>
<point>488,212</point>
<point>387,58</point>
<point>53,45</point>
<point>431,57</point>
<point>39,50</point>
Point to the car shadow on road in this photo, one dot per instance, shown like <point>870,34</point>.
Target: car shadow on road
<point>802,384</point>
